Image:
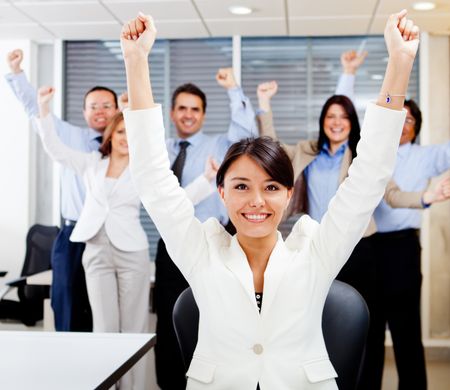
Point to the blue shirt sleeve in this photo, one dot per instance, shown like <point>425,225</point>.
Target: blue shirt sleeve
<point>24,91</point>
<point>346,86</point>
<point>243,122</point>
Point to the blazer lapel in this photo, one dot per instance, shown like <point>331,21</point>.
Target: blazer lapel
<point>237,263</point>
<point>279,261</point>
<point>346,161</point>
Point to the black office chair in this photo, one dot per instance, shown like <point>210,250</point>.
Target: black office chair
<point>29,308</point>
<point>345,322</point>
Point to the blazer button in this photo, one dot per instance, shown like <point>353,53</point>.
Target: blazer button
<point>258,349</point>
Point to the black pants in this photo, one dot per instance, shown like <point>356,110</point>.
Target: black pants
<point>398,285</point>
<point>169,284</point>
<point>69,297</point>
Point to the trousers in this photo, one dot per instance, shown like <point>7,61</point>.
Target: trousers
<point>69,298</point>
<point>118,285</point>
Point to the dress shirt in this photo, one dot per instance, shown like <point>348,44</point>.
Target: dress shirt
<point>282,347</point>
<point>79,138</point>
<point>415,166</point>
<point>346,86</point>
<point>322,178</point>
<point>201,146</point>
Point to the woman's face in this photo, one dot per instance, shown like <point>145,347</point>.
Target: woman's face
<point>336,125</point>
<point>119,144</point>
<point>255,202</point>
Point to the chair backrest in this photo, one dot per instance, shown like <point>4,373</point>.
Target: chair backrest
<point>345,322</point>
<point>39,241</point>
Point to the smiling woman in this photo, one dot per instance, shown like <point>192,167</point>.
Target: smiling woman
<point>281,346</point>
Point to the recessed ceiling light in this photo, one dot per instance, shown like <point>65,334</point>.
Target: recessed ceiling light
<point>424,6</point>
<point>240,10</point>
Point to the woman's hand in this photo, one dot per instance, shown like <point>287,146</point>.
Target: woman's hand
<point>138,36</point>
<point>440,193</point>
<point>265,92</point>
<point>44,95</point>
<point>211,169</point>
<point>401,35</point>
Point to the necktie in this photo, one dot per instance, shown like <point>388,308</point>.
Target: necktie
<point>99,139</point>
<point>178,164</point>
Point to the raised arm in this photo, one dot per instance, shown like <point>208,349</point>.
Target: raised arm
<point>159,190</point>
<point>265,92</point>
<point>242,124</point>
<point>26,94</point>
<point>55,148</point>
<point>351,62</point>
<point>351,208</point>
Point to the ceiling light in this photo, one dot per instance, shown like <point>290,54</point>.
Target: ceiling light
<point>424,6</point>
<point>240,10</point>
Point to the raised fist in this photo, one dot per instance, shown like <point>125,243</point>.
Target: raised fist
<point>440,192</point>
<point>138,36</point>
<point>267,90</point>
<point>351,61</point>
<point>401,35</point>
<point>14,59</point>
<point>225,78</point>
<point>45,94</point>
<point>123,101</point>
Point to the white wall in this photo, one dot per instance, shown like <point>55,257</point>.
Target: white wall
<point>15,167</point>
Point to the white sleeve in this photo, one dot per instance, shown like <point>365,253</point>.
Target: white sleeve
<point>58,151</point>
<point>165,201</point>
<point>350,209</point>
<point>199,189</point>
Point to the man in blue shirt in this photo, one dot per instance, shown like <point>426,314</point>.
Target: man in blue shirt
<point>188,114</point>
<point>68,293</point>
<point>399,276</point>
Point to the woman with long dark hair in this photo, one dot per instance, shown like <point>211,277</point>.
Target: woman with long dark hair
<point>276,343</point>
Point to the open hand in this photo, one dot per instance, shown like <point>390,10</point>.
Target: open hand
<point>138,36</point>
<point>225,78</point>
<point>440,193</point>
<point>211,168</point>
<point>351,61</point>
<point>401,35</point>
<point>14,59</point>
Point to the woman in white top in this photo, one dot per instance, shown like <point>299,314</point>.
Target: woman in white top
<point>116,259</point>
<point>281,346</point>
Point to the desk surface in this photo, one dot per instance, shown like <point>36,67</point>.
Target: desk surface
<point>62,360</point>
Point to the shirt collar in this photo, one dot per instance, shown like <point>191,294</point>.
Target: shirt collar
<point>340,151</point>
<point>194,139</point>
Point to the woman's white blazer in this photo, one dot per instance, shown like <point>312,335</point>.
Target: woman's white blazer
<point>282,347</point>
<point>119,211</point>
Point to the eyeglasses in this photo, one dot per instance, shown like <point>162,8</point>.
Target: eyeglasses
<point>410,121</point>
<point>105,106</point>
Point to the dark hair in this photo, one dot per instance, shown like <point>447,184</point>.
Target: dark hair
<point>350,110</point>
<point>416,114</point>
<point>100,88</point>
<point>191,89</point>
<point>105,148</point>
<point>267,153</point>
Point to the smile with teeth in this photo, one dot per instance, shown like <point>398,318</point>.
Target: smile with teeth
<point>337,130</point>
<point>260,217</point>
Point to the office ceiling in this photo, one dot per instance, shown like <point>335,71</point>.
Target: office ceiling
<point>44,20</point>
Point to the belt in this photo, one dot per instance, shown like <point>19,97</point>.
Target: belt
<point>401,233</point>
<point>69,222</point>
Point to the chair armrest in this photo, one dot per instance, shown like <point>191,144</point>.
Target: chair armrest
<point>3,273</point>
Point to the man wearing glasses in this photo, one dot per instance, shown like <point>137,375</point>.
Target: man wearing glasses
<point>68,293</point>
